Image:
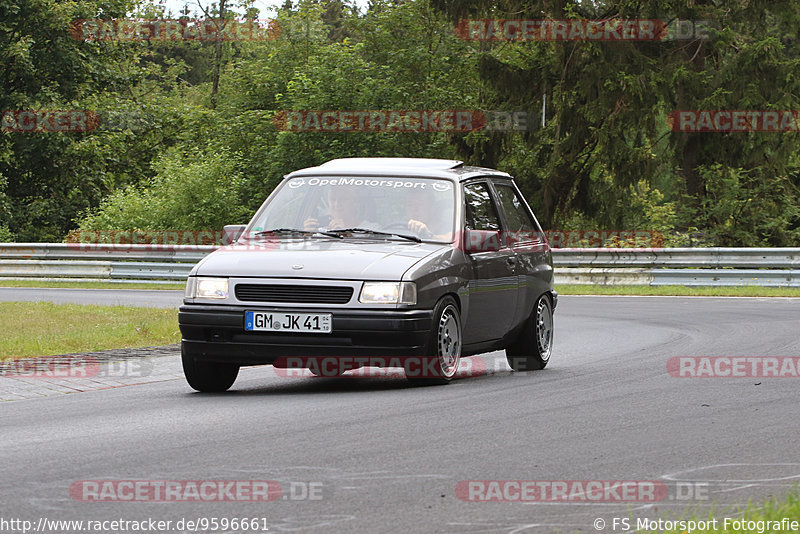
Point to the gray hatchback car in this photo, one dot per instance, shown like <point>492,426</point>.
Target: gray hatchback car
<point>374,262</point>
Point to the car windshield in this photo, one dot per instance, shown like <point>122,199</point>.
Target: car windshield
<point>360,206</point>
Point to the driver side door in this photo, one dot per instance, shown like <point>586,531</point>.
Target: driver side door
<point>494,283</point>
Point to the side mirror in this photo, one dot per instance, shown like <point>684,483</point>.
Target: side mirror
<point>232,232</point>
<point>481,241</point>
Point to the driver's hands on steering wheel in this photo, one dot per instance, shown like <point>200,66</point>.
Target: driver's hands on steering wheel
<point>419,228</point>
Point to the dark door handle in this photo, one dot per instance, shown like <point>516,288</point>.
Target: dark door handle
<point>511,260</point>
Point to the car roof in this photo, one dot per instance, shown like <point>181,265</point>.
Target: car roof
<point>407,167</point>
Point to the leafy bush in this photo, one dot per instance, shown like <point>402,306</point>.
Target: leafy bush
<point>5,235</point>
<point>189,192</point>
<point>748,209</point>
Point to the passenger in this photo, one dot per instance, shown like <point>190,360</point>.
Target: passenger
<point>423,219</point>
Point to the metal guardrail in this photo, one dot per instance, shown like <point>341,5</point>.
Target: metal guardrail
<point>717,258</point>
<point>91,262</point>
<point>604,266</point>
<point>680,277</point>
<point>768,267</point>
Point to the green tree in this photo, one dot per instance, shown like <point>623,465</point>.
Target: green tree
<point>607,103</point>
<point>51,177</point>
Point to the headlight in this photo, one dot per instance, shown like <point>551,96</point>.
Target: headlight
<point>388,293</point>
<point>212,288</point>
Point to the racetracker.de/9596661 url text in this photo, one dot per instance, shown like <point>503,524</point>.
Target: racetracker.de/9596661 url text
<point>144,525</point>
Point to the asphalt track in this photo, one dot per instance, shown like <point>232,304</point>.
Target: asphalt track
<point>386,457</point>
<point>156,298</point>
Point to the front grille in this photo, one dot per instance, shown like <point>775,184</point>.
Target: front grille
<point>293,293</point>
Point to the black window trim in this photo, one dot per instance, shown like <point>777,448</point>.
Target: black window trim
<point>510,182</point>
<point>487,180</point>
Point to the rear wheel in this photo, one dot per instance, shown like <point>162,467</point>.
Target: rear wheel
<point>443,350</point>
<point>208,377</point>
<point>531,351</point>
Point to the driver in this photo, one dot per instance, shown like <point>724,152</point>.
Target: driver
<point>346,211</point>
<point>422,216</point>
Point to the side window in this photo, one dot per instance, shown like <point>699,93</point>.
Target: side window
<point>519,220</point>
<point>481,213</point>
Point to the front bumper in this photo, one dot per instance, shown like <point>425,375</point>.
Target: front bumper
<point>216,333</point>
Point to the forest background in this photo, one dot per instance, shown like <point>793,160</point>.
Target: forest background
<point>189,138</point>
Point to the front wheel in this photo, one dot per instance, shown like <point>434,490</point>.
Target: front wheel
<point>208,377</point>
<point>443,351</point>
<point>532,349</point>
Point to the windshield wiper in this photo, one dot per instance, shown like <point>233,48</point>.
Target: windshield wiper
<point>296,231</point>
<point>375,232</point>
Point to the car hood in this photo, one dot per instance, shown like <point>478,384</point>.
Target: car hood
<point>343,259</point>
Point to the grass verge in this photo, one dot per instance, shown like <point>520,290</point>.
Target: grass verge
<point>32,329</point>
<point>767,518</point>
<point>689,291</point>
<point>90,285</point>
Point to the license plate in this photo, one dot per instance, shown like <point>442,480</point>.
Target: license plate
<point>317,323</point>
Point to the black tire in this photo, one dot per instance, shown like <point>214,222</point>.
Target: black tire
<point>208,377</point>
<point>444,345</point>
<point>531,351</point>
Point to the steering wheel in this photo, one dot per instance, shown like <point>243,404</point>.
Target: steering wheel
<point>396,226</point>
